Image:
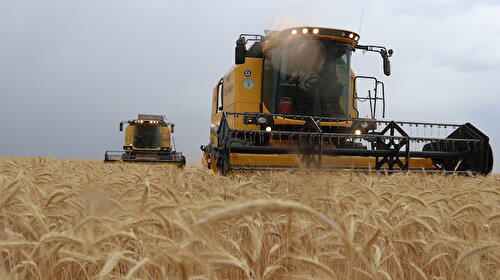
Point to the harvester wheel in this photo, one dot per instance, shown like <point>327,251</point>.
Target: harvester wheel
<point>183,161</point>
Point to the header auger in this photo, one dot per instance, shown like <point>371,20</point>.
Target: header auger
<point>291,102</point>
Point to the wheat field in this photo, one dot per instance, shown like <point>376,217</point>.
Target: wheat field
<point>84,219</point>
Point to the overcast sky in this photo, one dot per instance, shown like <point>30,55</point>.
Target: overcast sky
<point>70,71</point>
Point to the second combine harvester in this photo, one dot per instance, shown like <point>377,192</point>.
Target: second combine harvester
<point>147,139</point>
<point>291,101</point>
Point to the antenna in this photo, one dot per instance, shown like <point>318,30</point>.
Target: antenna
<point>361,20</point>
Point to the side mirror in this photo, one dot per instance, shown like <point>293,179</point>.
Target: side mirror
<point>121,126</point>
<point>240,51</point>
<point>387,66</point>
<point>387,63</point>
<point>172,128</point>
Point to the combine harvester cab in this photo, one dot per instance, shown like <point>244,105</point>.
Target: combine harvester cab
<point>147,139</point>
<point>291,102</point>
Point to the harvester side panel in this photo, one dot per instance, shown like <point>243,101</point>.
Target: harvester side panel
<point>165,137</point>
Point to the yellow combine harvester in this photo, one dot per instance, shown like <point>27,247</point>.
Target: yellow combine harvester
<point>147,139</point>
<point>291,101</point>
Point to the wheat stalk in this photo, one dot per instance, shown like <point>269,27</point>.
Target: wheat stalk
<point>83,219</point>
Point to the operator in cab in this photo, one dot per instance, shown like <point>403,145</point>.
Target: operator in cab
<point>313,78</point>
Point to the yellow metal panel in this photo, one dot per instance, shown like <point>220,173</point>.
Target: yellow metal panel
<point>264,109</point>
<point>293,161</point>
<point>146,149</point>
<point>248,81</point>
<point>425,163</point>
<point>354,104</point>
<point>215,97</point>
<point>281,120</point>
<point>129,135</point>
<point>243,84</point>
<point>247,107</point>
<point>228,88</point>
<point>165,137</point>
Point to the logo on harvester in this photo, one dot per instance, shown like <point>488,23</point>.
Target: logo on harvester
<point>248,83</point>
<point>248,73</point>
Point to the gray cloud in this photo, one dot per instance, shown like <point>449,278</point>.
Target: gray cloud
<point>431,9</point>
<point>460,36</point>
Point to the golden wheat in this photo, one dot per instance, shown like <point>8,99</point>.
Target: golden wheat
<point>83,219</point>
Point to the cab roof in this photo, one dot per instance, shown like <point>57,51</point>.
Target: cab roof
<point>150,117</point>
<point>277,37</point>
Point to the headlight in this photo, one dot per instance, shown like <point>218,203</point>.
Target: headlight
<point>357,132</point>
<point>268,129</point>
